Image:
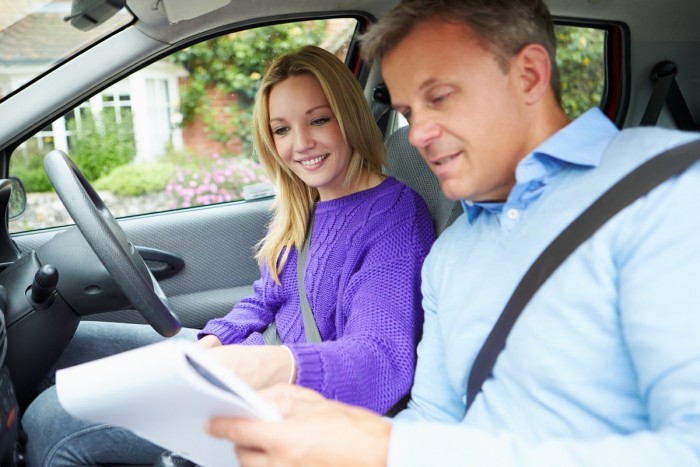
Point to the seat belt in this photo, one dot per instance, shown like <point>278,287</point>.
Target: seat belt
<point>666,90</point>
<point>310,327</point>
<point>270,335</point>
<point>381,105</point>
<point>631,187</point>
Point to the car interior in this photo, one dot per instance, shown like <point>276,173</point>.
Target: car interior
<point>170,267</point>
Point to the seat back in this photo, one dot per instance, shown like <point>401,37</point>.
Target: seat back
<point>407,165</point>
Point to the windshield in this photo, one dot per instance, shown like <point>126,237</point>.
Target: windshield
<point>34,37</point>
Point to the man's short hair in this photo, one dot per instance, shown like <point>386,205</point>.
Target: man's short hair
<point>505,26</point>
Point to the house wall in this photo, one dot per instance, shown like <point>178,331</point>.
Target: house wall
<point>195,136</point>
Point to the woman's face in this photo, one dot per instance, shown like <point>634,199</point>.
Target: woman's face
<point>307,135</point>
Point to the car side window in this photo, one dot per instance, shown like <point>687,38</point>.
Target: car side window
<point>173,135</point>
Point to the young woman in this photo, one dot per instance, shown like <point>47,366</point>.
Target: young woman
<point>315,136</point>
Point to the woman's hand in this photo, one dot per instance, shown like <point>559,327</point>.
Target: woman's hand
<point>209,341</point>
<point>259,365</point>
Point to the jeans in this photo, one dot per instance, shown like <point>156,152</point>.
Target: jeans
<point>55,438</point>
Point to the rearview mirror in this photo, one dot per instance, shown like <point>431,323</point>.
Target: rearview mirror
<point>18,199</point>
<point>87,14</point>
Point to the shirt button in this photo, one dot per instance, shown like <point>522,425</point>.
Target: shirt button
<point>512,214</point>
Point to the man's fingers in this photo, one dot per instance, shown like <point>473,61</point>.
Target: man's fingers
<point>245,433</point>
<point>254,434</point>
<point>252,458</point>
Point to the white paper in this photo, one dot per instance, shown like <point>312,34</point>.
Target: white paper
<point>157,393</point>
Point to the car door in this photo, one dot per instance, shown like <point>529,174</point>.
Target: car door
<point>168,149</point>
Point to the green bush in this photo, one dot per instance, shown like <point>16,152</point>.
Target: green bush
<point>28,165</point>
<point>99,144</point>
<point>581,62</point>
<point>137,179</point>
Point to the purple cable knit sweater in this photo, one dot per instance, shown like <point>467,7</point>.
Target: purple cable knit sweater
<point>362,282</point>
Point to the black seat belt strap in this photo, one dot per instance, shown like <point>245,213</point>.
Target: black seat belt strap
<point>631,187</point>
<point>667,91</point>
<point>381,105</point>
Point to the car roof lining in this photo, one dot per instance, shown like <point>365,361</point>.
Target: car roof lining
<point>668,20</point>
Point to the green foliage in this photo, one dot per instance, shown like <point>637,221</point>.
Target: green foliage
<point>581,61</point>
<point>137,179</point>
<point>100,143</point>
<point>27,164</point>
<point>234,64</point>
<point>238,117</point>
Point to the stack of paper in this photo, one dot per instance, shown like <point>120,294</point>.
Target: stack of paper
<point>165,393</point>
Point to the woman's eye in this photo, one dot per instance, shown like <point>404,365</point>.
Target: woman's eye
<point>280,130</point>
<point>320,121</point>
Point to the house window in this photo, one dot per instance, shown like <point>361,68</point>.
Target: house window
<point>160,114</point>
<point>117,106</point>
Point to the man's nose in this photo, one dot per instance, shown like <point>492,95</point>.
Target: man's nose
<point>423,130</point>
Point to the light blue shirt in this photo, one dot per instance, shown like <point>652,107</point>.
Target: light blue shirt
<point>572,145</point>
<point>603,366</point>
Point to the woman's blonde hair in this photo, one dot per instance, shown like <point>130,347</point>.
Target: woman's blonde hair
<point>360,132</point>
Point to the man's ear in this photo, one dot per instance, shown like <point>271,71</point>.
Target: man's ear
<point>534,71</point>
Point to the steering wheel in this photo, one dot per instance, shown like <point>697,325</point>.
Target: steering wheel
<point>109,242</point>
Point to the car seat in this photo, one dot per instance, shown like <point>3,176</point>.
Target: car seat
<point>407,165</point>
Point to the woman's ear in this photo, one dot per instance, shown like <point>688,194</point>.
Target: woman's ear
<point>534,70</point>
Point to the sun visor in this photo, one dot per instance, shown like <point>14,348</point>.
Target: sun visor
<point>178,10</point>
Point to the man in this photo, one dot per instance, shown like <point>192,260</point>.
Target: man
<point>603,365</point>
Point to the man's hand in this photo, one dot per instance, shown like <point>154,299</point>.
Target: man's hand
<point>314,432</point>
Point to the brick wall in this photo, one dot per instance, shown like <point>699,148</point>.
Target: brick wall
<point>195,136</point>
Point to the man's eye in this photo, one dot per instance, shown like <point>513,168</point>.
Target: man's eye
<point>320,121</point>
<point>440,95</point>
<point>439,98</point>
<point>280,131</point>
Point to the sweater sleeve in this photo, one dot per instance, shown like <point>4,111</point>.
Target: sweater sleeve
<point>247,320</point>
<point>371,363</point>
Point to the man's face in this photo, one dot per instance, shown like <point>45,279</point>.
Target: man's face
<point>468,117</point>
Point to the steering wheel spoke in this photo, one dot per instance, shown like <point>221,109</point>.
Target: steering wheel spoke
<point>109,242</point>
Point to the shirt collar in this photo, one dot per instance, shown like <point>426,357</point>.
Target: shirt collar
<point>582,142</point>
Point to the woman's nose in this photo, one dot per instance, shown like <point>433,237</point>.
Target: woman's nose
<point>303,141</point>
